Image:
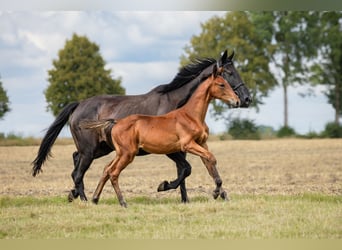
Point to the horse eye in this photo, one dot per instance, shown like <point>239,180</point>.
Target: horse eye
<point>221,85</point>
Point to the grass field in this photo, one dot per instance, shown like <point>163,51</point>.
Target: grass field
<point>287,188</point>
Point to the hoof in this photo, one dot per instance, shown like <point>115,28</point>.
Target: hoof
<point>163,186</point>
<point>83,198</point>
<point>224,196</point>
<point>123,204</point>
<point>216,194</point>
<point>185,201</point>
<point>95,200</point>
<point>72,195</point>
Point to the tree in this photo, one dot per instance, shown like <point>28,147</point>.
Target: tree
<point>328,70</point>
<point>79,73</point>
<point>4,101</point>
<point>294,36</point>
<point>285,39</point>
<point>253,50</point>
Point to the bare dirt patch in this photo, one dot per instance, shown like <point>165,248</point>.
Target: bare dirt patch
<point>288,166</point>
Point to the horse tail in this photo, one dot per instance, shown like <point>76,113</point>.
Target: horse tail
<point>50,137</point>
<point>97,124</point>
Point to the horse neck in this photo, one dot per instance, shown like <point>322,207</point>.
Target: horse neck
<point>181,93</point>
<point>197,105</point>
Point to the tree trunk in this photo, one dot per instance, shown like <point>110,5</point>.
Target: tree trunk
<point>337,101</point>
<point>286,122</point>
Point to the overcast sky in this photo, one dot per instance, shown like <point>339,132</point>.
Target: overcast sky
<point>142,47</point>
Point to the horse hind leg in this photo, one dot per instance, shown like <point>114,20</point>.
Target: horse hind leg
<point>73,194</point>
<point>84,161</point>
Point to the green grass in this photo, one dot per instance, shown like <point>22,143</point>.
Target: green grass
<point>308,216</point>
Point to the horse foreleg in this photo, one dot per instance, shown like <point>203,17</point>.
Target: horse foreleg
<point>183,171</point>
<point>210,162</point>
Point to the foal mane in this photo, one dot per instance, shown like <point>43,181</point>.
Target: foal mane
<point>186,74</point>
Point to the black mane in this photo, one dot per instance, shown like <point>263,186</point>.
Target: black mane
<point>186,74</point>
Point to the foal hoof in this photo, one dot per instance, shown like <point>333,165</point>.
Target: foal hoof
<point>95,200</point>
<point>163,186</point>
<point>123,204</point>
<point>224,196</point>
<point>216,194</point>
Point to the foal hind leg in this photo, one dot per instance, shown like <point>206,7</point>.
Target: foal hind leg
<point>102,182</point>
<point>112,172</point>
<point>183,171</point>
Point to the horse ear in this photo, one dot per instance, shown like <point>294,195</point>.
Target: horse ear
<point>223,58</point>
<point>231,56</point>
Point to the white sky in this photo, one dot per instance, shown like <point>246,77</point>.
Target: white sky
<point>142,47</point>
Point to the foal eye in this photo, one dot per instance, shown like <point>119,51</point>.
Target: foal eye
<point>221,85</point>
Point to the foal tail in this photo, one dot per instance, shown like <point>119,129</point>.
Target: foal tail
<point>97,124</point>
<point>50,137</point>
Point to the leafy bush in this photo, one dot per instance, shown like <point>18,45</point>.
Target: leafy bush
<point>332,130</point>
<point>243,129</point>
<point>286,131</point>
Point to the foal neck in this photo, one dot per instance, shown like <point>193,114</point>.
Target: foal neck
<point>198,103</point>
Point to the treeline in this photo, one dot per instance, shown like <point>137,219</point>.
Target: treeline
<point>245,129</point>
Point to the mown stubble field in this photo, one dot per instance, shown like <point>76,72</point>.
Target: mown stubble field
<point>278,188</point>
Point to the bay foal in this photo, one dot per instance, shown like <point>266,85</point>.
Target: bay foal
<point>183,129</point>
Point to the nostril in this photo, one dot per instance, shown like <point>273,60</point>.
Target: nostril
<point>248,100</point>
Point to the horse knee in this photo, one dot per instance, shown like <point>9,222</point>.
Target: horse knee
<point>187,170</point>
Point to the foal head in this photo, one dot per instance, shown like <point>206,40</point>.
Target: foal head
<point>221,89</point>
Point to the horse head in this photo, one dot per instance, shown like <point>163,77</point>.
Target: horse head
<point>231,75</point>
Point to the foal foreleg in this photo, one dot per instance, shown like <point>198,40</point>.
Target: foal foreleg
<point>218,191</point>
<point>210,162</point>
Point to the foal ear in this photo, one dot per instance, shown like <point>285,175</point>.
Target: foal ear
<point>215,71</point>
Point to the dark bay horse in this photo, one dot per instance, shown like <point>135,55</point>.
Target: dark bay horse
<point>183,129</point>
<point>160,100</point>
